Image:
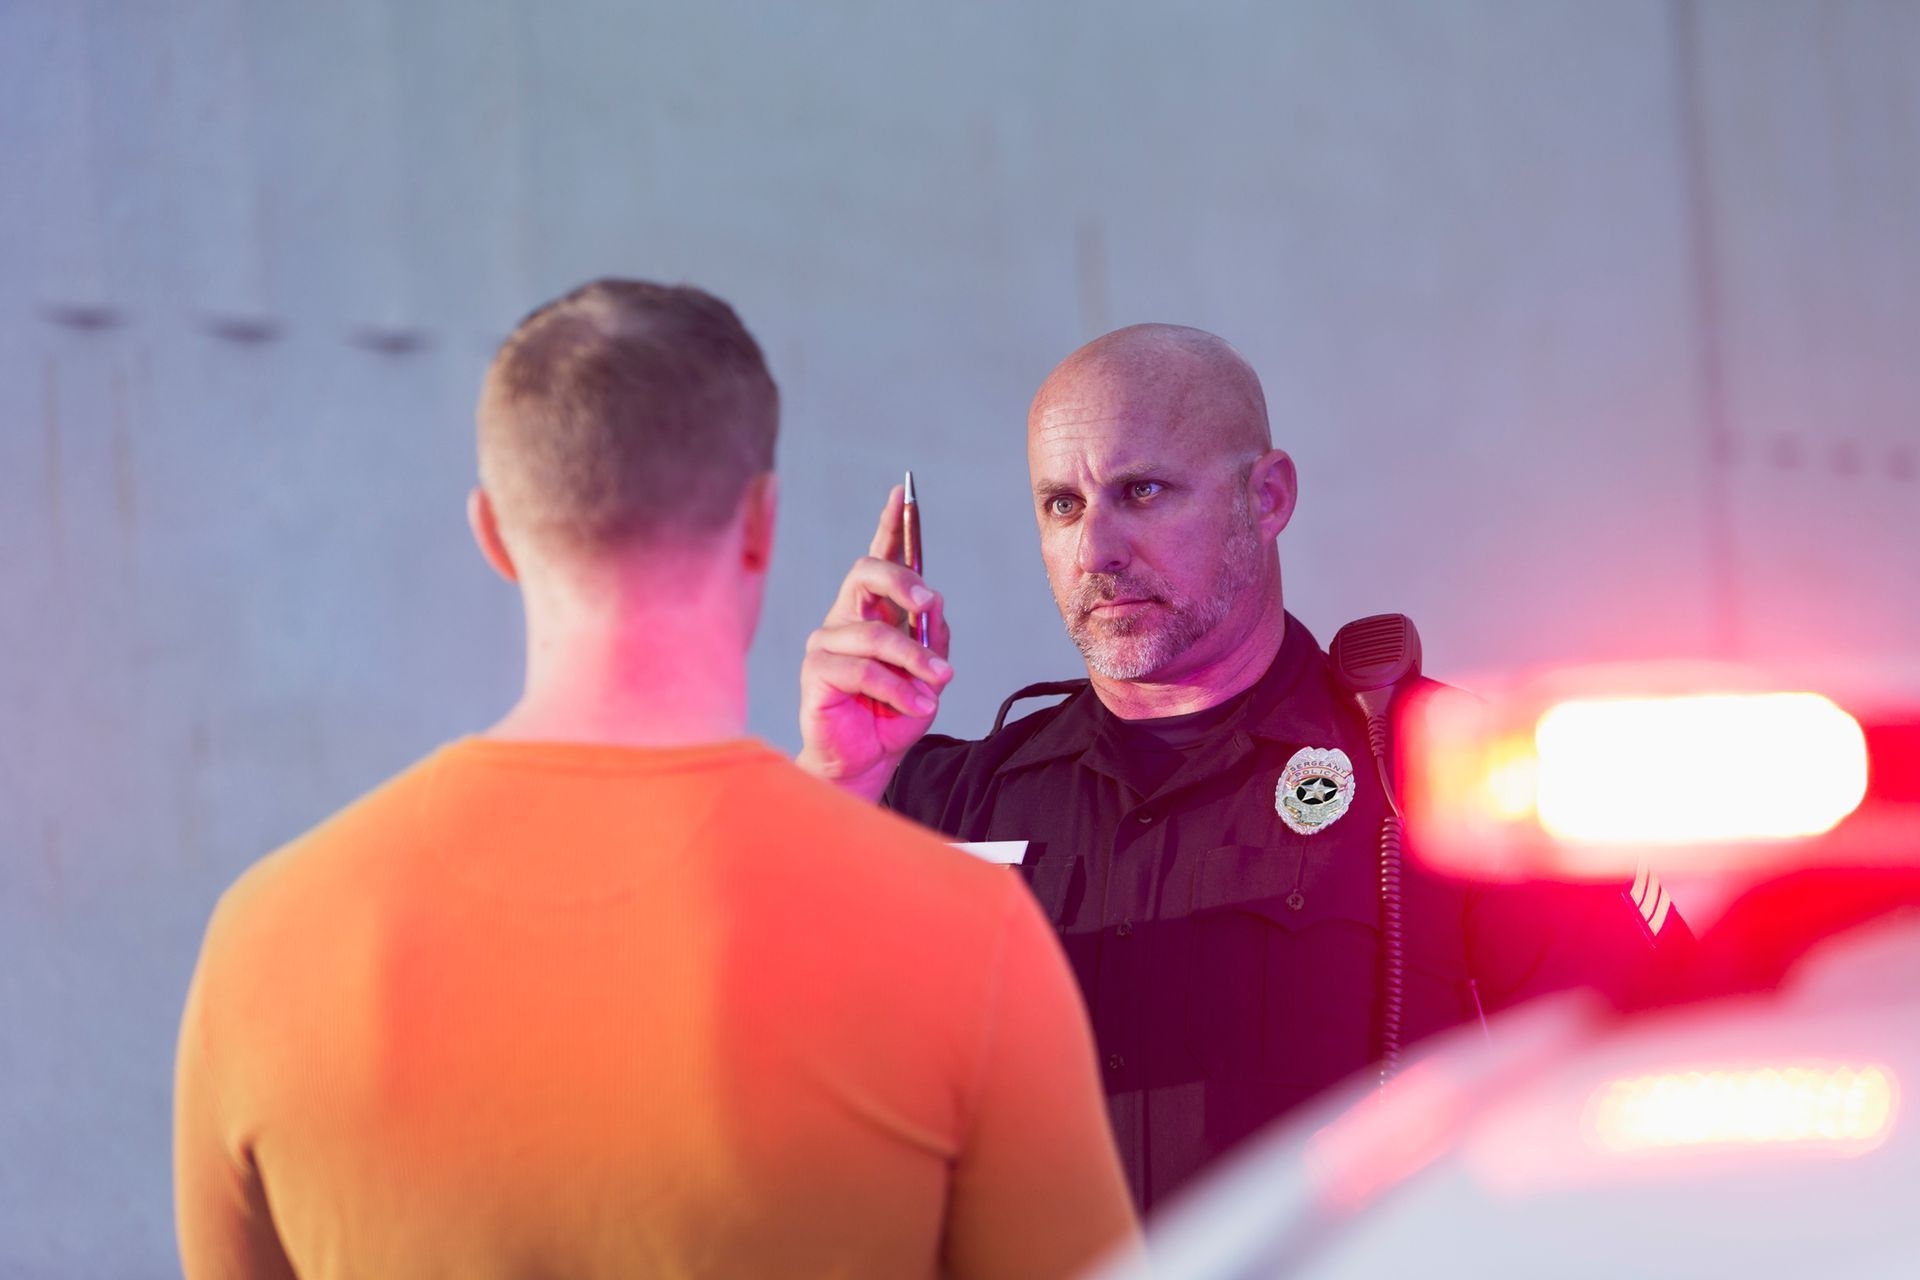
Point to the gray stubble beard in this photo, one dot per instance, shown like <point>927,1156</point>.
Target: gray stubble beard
<point>1156,643</point>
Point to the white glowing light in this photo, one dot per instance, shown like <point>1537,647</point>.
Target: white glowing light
<point>1703,768</point>
<point>1809,1105</point>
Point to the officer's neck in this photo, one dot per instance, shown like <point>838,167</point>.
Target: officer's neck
<point>1183,689</point>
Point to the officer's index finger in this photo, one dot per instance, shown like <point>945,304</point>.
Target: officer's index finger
<point>888,539</point>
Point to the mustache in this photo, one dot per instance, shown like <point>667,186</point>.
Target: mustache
<point>1099,588</point>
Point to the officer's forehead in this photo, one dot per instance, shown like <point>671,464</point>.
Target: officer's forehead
<point>1103,422</point>
<point>1154,388</point>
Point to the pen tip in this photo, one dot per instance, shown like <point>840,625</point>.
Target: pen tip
<point>909,495</point>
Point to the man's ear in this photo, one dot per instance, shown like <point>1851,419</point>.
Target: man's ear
<point>1272,488</point>
<point>485,524</point>
<point>762,507</point>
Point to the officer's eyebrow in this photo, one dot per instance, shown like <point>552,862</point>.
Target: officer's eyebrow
<point>1135,472</point>
<point>1131,473</point>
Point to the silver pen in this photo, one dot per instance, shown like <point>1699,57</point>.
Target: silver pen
<point>910,530</point>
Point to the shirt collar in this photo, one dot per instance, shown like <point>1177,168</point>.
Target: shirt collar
<point>1290,703</point>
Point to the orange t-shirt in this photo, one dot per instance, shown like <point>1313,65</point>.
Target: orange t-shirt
<point>540,1009</point>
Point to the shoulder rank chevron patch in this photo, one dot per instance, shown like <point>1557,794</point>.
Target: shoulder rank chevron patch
<point>1650,899</point>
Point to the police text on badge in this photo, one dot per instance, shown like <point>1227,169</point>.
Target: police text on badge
<point>1315,788</point>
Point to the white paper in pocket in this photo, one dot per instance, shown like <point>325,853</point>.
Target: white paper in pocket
<point>1010,853</point>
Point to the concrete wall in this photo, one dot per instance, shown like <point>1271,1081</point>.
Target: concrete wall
<point>1591,326</point>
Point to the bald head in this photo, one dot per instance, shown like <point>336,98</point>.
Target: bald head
<point>1183,378</point>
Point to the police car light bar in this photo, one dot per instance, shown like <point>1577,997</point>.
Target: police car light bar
<point>1594,773</point>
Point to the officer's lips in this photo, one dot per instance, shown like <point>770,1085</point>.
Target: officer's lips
<point>1121,606</point>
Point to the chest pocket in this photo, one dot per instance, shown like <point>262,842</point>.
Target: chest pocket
<point>1285,958</point>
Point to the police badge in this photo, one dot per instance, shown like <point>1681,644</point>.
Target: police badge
<point>1315,789</point>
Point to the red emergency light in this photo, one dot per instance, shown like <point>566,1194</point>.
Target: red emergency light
<point>1595,772</point>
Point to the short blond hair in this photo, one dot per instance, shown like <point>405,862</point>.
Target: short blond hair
<point>626,412</point>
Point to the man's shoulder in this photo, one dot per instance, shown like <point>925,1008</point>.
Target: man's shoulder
<point>858,871</point>
<point>349,847</point>
<point>822,824</point>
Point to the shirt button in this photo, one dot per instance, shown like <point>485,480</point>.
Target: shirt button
<point>1296,900</point>
<point>1144,819</point>
<point>1115,1062</point>
<point>1125,928</point>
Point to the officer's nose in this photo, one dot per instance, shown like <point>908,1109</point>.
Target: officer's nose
<point>1103,548</point>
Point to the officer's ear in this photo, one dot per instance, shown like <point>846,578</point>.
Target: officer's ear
<point>1272,487</point>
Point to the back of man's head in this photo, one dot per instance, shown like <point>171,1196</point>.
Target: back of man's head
<point>625,414</point>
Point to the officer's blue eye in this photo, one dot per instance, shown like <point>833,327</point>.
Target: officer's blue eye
<point>1143,489</point>
<point>1060,506</point>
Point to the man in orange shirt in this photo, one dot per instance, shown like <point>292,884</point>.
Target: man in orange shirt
<point>612,989</point>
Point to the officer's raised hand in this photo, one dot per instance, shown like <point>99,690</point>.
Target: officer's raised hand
<point>868,691</point>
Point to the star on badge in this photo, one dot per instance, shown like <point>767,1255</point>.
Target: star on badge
<point>1315,788</point>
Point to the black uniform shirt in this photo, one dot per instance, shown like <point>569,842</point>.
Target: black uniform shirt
<point>1230,963</point>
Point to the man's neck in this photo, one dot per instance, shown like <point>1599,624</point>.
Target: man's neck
<point>664,680</point>
<point>1200,687</point>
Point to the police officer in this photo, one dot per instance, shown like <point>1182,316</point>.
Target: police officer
<point>1202,815</point>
